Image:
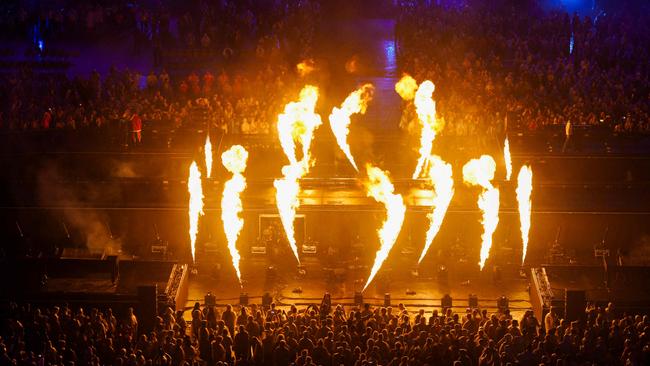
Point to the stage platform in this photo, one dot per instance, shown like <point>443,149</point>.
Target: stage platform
<point>423,291</point>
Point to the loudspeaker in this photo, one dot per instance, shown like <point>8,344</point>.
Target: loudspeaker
<point>147,308</point>
<point>472,301</point>
<point>575,302</point>
<point>387,299</point>
<point>503,304</point>
<point>358,298</point>
<point>327,301</point>
<point>243,298</point>
<point>267,299</point>
<point>446,302</point>
<point>210,299</point>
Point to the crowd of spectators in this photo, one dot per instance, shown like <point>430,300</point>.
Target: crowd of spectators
<point>266,39</point>
<point>17,19</point>
<point>320,335</point>
<point>243,102</point>
<point>527,68</point>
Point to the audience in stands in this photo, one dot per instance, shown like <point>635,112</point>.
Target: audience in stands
<point>320,336</point>
<point>245,101</point>
<point>527,68</point>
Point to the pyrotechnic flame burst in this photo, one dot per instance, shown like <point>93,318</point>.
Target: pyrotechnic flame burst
<point>208,156</point>
<point>507,158</point>
<point>441,177</point>
<point>406,87</point>
<point>356,102</point>
<point>305,67</point>
<point>195,204</point>
<point>296,124</point>
<point>481,172</point>
<point>425,108</point>
<point>234,160</point>
<point>524,191</point>
<point>381,189</point>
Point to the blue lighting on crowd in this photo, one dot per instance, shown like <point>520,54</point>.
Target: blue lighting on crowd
<point>389,52</point>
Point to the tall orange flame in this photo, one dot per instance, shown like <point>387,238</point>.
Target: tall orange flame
<point>356,102</point>
<point>425,108</point>
<point>234,160</point>
<point>381,189</point>
<point>406,87</point>
<point>441,177</point>
<point>524,191</point>
<point>208,156</point>
<point>507,158</point>
<point>481,172</point>
<point>296,124</point>
<point>195,204</point>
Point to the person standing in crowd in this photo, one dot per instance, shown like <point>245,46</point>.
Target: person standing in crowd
<point>136,129</point>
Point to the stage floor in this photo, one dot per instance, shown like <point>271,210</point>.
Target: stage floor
<point>425,290</point>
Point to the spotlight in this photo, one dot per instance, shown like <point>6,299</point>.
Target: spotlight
<point>446,302</point>
<point>243,298</point>
<point>358,298</point>
<point>503,303</point>
<point>473,301</point>
<point>387,299</point>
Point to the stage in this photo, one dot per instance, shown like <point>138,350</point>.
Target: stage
<point>421,291</point>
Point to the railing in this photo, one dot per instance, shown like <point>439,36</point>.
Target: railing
<point>541,294</point>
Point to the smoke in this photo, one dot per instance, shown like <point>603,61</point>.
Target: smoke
<point>122,169</point>
<point>55,190</point>
<point>639,255</point>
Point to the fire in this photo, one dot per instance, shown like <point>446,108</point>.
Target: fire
<point>507,158</point>
<point>305,67</point>
<point>195,204</point>
<point>356,102</point>
<point>286,197</point>
<point>480,172</point>
<point>296,124</point>
<point>381,189</point>
<point>234,160</point>
<point>524,190</point>
<point>208,156</point>
<point>406,87</point>
<point>425,108</point>
<point>440,175</point>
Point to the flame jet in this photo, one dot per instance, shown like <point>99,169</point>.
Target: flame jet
<point>234,160</point>
<point>480,172</point>
<point>195,205</point>
<point>207,149</point>
<point>381,189</point>
<point>356,102</point>
<point>507,158</point>
<point>441,177</point>
<point>425,107</point>
<point>406,87</point>
<point>295,125</point>
<point>524,191</point>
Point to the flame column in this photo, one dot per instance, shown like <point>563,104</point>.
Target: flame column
<point>195,204</point>
<point>480,172</point>
<point>234,160</point>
